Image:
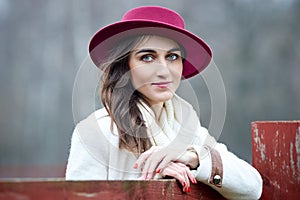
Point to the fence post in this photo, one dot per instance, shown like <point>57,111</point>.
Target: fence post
<point>276,155</point>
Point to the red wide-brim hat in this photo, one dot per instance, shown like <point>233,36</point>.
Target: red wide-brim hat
<point>152,20</point>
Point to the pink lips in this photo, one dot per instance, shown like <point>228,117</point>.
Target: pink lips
<point>162,85</point>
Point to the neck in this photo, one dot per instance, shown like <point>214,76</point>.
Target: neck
<point>156,108</point>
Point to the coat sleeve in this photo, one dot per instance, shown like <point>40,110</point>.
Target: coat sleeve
<point>240,179</point>
<point>81,163</point>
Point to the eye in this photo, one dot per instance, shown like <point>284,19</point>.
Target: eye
<point>172,57</point>
<point>147,58</point>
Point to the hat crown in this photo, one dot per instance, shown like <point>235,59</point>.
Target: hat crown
<point>155,14</point>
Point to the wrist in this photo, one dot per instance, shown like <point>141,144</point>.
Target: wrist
<point>193,159</point>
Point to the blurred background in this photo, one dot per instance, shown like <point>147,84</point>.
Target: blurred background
<point>256,47</point>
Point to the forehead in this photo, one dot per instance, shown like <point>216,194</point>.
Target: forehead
<point>157,42</point>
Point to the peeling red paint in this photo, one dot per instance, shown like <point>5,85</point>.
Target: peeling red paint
<point>276,155</point>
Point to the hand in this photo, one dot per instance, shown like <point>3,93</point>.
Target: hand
<point>217,167</point>
<point>155,159</point>
<point>189,158</point>
<point>180,172</point>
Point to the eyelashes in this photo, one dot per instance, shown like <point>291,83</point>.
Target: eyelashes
<point>151,57</point>
<point>147,58</point>
<point>173,57</point>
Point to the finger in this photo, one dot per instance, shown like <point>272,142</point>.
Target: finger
<point>178,172</point>
<point>172,171</point>
<point>187,187</point>
<point>138,163</point>
<point>214,171</point>
<point>185,174</point>
<point>163,163</point>
<point>156,156</point>
<point>151,165</point>
<point>143,157</point>
<point>213,182</point>
<point>219,177</point>
<point>191,176</point>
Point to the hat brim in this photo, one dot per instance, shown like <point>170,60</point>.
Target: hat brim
<point>197,53</point>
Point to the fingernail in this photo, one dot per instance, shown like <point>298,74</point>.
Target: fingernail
<point>158,171</point>
<point>188,189</point>
<point>184,184</point>
<point>194,181</point>
<point>135,165</point>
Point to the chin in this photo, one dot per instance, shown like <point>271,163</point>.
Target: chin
<point>162,97</point>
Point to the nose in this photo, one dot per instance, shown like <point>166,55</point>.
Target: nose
<point>162,68</point>
<point>162,61</point>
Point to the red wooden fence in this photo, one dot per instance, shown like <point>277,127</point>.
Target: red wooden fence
<point>91,190</point>
<point>276,155</point>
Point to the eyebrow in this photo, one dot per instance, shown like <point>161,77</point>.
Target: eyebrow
<point>153,51</point>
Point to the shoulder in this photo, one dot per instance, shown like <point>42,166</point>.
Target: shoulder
<point>98,121</point>
<point>96,128</point>
<point>93,119</point>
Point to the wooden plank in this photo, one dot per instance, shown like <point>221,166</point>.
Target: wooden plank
<point>276,155</point>
<point>83,190</point>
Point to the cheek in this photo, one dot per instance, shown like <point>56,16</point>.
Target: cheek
<point>138,73</point>
<point>140,76</point>
<point>177,76</point>
<point>177,72</point>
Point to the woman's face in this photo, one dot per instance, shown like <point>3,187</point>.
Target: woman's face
<point>156,68</point>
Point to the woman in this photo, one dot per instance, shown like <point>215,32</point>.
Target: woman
<point>145,131</point>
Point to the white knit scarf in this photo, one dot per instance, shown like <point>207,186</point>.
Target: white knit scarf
<point>176,124</point>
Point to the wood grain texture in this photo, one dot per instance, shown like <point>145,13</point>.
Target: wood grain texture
<point>19,189</point>
<point>276,155</point>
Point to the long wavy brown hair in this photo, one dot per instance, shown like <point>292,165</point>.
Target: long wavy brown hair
<point>120,98</point>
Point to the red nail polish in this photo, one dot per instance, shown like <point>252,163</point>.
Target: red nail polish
<point>135,165</point>
<point>184,184</point>
<point>158,171</point>
<point>188,189</point>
